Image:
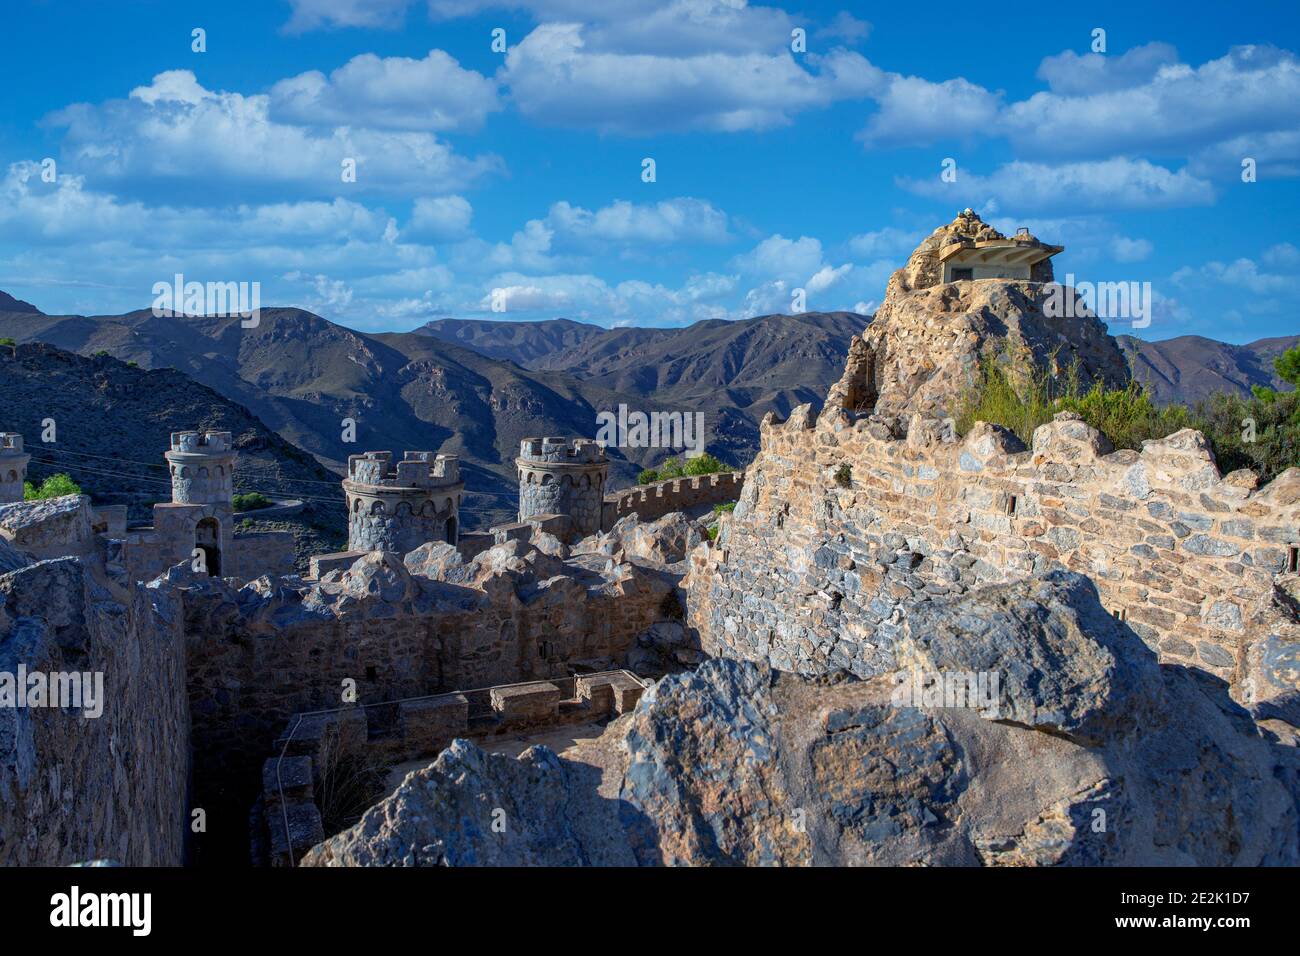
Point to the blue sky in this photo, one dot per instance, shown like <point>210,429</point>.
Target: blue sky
<point>521,171</point>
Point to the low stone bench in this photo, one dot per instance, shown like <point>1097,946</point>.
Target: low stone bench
<point>609,693</point>
<point>536,700</point>
<point>432,723</point>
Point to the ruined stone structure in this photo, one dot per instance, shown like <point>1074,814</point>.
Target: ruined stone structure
<point>201,517</point>
<point>419,727</point>
<point>653,501</point>
<point>202,466</point>
<point>13,467</point>
<point>850,516</point>
<point>562,477</point>
<point>398,508</point>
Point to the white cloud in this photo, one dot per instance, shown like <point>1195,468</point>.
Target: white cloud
<point>1178,111</point>
<point>845,26</point>
<point>1102,185</point>
<point>174,130</point>
<point>314,14</point>
<point>1070,74</point>
<point>915,111</point>
<point>674,220</point>
<point>789,260</point>
<point>556,79</point>
<point>440,217</point>
<point>1124,249</point>
<point>1242,273</point>
<point>1283,255</point>
<point>888,241</point>
<point>434,93</point>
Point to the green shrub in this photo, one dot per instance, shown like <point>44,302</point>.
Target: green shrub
<point>1287,366</point>
<point>252,501</point>
<point>672,468</point>
<point>844,475</point>
<point>1020,400</point>
<point>7,341</point>
<point>705,464</point>
<point>55,486</point>
<point>724,509</point>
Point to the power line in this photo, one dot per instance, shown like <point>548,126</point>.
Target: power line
<point>242,471</point>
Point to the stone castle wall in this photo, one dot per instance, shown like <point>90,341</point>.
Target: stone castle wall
<point>74,788</point>
<point>806,568</point>
<point>653,501</point>
<point>420,727</point>
<point>273,649</point>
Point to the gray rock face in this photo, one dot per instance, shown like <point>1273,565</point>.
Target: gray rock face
<point>1062,663</point>
<point>1093,755</point>
<point>471,808</point>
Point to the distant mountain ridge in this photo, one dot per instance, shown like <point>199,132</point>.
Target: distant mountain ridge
<point>9,304</point>
<point>1190,367</point>
<point>476,387</point>
<point>520,342</point>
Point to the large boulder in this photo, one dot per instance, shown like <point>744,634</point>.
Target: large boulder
<point>1087,752</point>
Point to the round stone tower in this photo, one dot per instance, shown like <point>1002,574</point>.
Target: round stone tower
<point>400,508</point>
<point>202,466</point>
<point>562,477</point>
<point>13,467</point>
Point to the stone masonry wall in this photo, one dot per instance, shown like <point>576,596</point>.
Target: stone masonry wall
<point>274,648</point>
<point>75,788</point>
<point>653,501</point>
<point>1197,563</point>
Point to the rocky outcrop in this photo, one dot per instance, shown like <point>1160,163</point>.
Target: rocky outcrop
<point>922,351</point>
<point>1087,752</point>
<point>666,540</point>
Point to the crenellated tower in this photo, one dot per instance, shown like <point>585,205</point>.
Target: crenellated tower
<point>562,477</point>
<point>400,507</point>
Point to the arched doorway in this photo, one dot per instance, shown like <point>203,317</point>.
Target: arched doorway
<point>207,538</point>
<point>451,530</point>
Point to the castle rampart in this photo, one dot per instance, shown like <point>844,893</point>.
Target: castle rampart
<point>562,477</point>
<point>1193,560</point>
<point>652,501</point>
<point>400,507</point>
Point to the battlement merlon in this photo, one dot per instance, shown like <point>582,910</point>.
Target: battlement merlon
<point>11,444</point>
<point>561,451</point>
<point>202,443</point>
<point>417,470</point>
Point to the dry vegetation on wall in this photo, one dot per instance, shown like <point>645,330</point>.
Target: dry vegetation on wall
<point>1260,432</point>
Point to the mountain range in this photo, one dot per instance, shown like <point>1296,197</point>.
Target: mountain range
<point>476,387</point>
<point>304,376</point>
